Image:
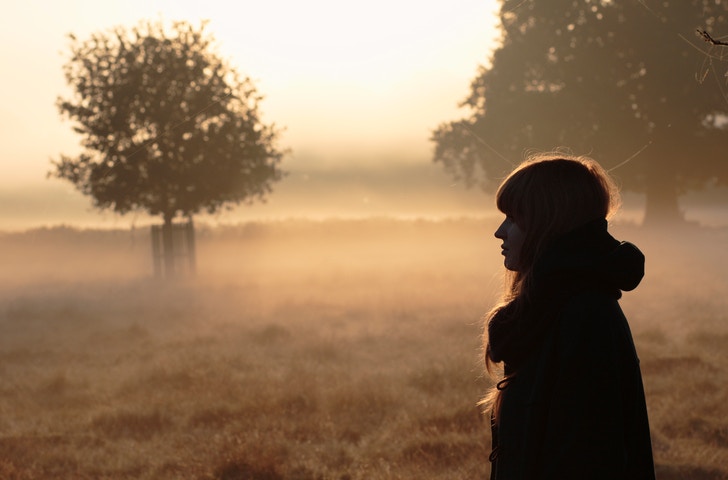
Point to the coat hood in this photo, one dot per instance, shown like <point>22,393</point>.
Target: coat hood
<point>590,258</point>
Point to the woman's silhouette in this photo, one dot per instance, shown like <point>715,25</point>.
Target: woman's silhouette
<point>571,403</point>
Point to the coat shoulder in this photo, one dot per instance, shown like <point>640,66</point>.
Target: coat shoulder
<point>596,321</point>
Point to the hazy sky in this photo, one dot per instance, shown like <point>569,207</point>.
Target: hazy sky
<point>361,81</point>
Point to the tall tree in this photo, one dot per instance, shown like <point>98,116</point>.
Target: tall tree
<point>627,81</point>
<point>168,126</point>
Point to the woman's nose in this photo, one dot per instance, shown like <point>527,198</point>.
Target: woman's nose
<point>500,233</point>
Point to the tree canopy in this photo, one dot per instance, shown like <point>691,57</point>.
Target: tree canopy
<point>168,125</point>
<point>627,82</point>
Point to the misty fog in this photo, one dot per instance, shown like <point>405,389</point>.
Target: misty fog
<point>327,348</point>
<point>333,332</point>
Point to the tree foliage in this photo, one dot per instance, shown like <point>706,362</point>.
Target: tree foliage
<point>167,125</point>
<point>628,82</point>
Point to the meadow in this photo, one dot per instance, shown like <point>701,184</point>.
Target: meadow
<point>307,350</point>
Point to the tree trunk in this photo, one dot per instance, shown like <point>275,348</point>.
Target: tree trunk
<point>168,246</point>
<point>190,240</point>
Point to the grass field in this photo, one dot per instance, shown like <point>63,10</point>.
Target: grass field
<point>313,350</point>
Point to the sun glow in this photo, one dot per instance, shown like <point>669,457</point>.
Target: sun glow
<point>347,82</point>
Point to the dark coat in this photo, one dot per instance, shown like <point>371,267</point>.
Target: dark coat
<point>575,408</point>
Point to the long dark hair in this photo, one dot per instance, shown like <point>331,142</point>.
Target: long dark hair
<point>547,195</point>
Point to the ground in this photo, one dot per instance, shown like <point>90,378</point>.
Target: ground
<point>313,350</point>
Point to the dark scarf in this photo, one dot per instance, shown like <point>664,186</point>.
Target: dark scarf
<point>585,259</point>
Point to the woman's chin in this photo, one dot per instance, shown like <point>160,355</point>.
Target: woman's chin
<point>510,265</point>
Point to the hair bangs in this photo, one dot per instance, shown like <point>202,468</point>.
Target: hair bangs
<point>509,197</point>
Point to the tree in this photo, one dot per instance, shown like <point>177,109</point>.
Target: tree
<point>168,126</point>
<point>627,82</point>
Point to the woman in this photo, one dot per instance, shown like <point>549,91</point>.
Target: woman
<point>571,403</point>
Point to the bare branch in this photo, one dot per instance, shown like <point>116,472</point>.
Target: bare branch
<point>706,36</point>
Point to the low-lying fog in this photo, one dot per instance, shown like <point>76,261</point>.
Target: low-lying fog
<point>314,349</point>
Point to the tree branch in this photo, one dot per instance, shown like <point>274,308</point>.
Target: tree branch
<point>706,36</point>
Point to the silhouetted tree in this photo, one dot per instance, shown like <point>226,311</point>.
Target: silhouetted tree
<point>169,127</point>
<point>625,81</point>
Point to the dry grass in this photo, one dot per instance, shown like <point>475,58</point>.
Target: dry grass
<point>306,351</point>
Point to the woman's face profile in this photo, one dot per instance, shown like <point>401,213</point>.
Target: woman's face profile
<point>512,237</point>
